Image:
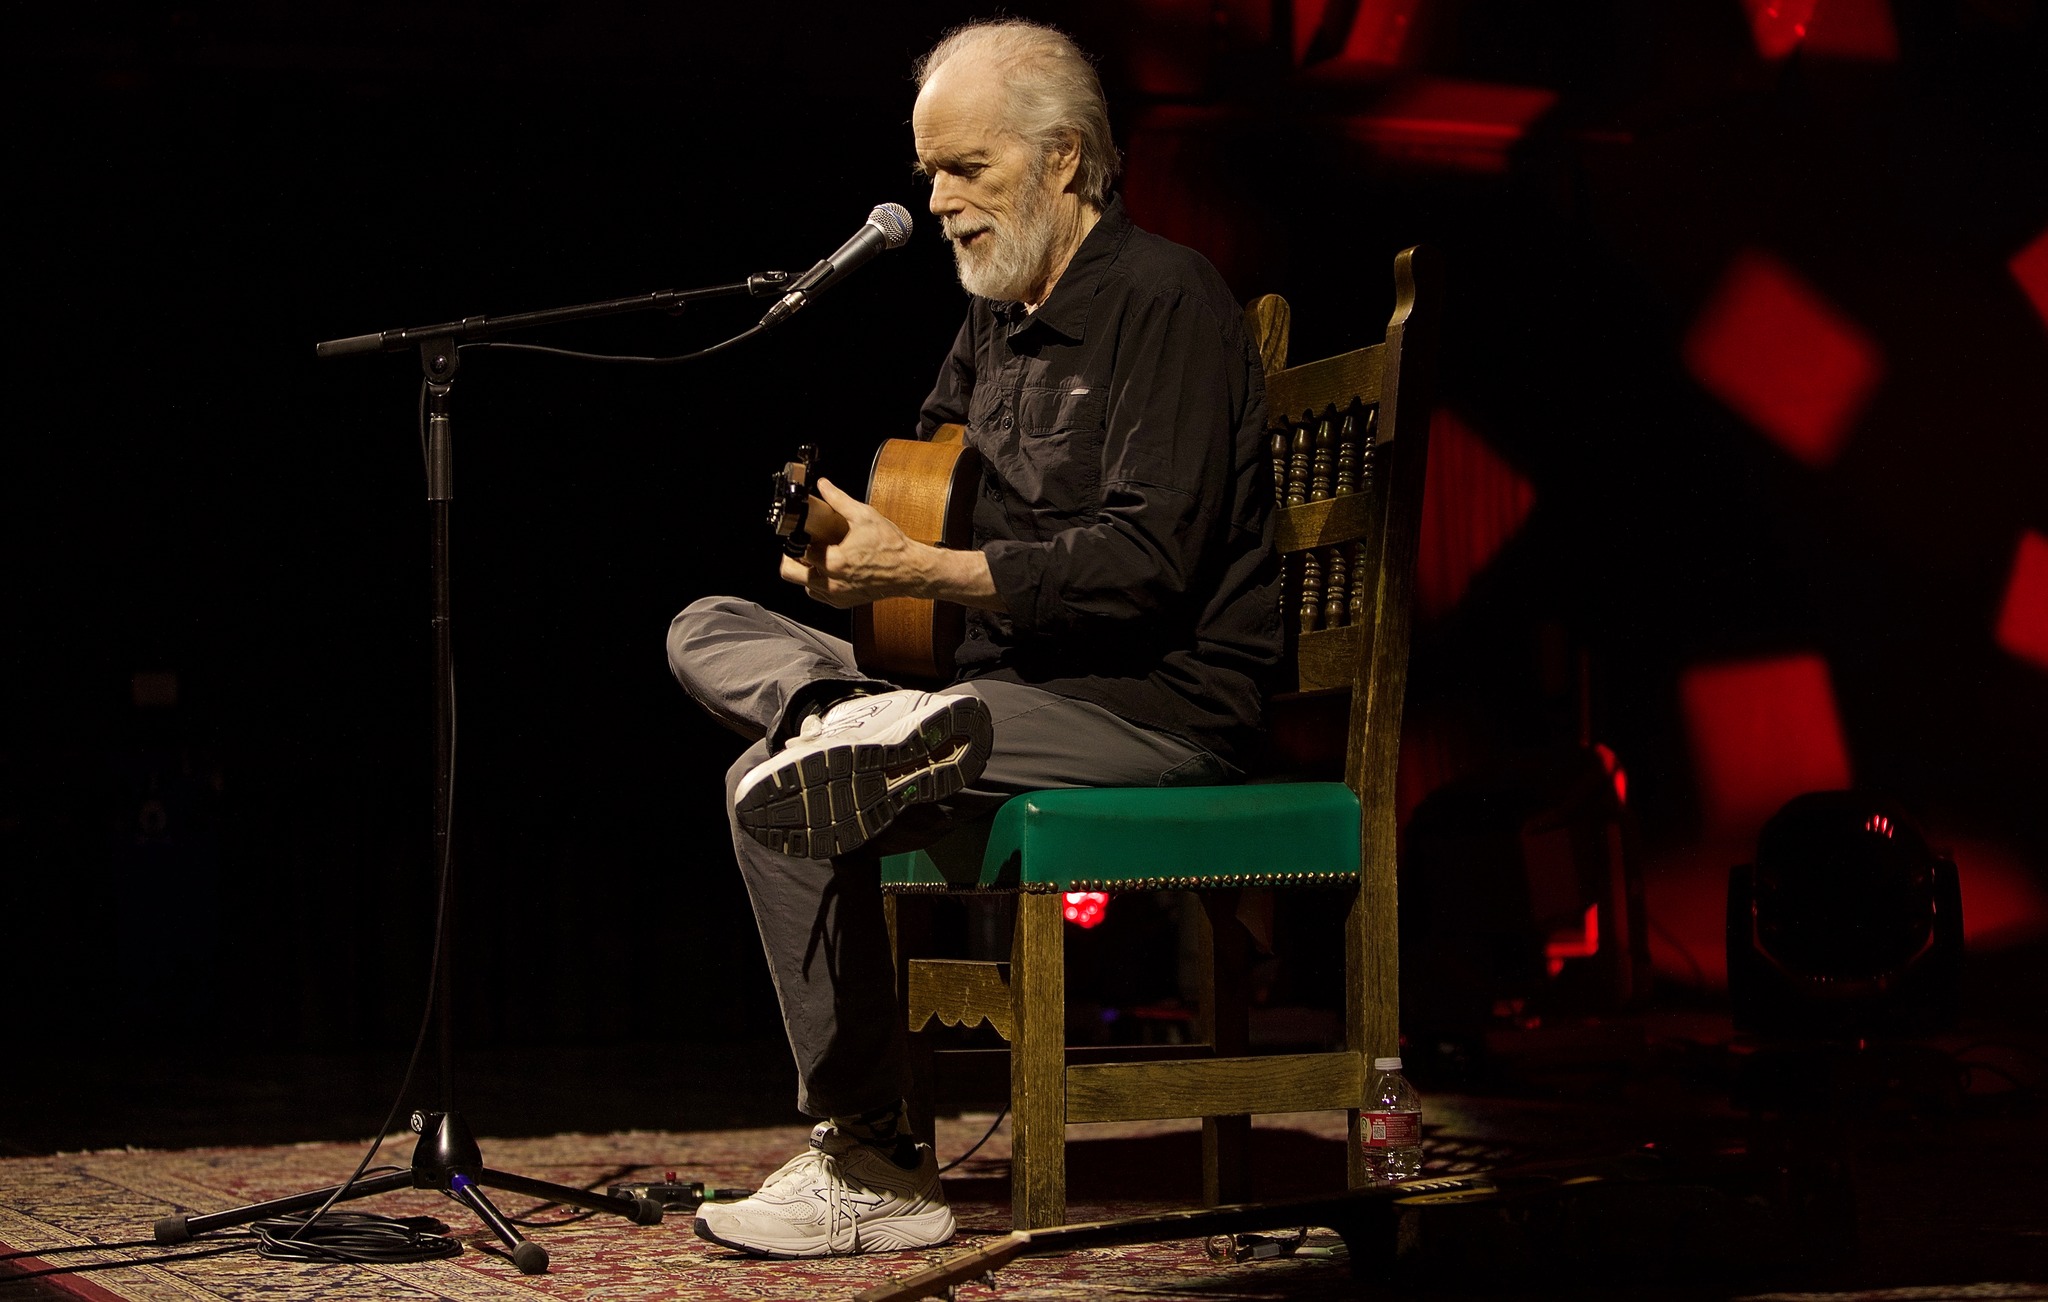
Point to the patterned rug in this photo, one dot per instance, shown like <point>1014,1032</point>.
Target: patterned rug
<point>105,1198</point>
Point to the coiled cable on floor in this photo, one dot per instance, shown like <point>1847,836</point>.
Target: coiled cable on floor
<point>354,1236</point>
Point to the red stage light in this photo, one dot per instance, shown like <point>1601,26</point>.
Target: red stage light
<point>1762,731</point>
<point>1836,29</point>
<point>1467,125</point>
<point>1566,945</point>
<point>2030,267</point>
<point>1472,503</point>
<point>1610,762</point>
<point>2023,622</point>
<point>2003,902</point>
<point>1171,185</point>
<point>1375,40</point>
<point>1783,357</point>
<point>1086,908</point>
<point>1778,25</point>
<point>1853,29</point>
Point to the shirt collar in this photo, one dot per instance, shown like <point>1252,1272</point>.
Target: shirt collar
<point>1066,308</point>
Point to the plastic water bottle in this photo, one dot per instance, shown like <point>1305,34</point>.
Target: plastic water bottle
<point>1390,1125</point>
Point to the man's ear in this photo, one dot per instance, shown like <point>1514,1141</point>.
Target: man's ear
<point>1063,159</point>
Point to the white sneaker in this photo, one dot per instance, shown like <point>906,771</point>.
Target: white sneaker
<point>838,1196</point>
<point>851,770</point>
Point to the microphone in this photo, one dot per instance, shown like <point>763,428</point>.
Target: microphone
<point>888,227</point>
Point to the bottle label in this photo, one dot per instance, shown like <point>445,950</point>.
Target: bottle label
<point>1390,1129</point>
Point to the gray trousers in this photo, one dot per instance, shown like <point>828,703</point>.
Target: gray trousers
<point>821,921</point>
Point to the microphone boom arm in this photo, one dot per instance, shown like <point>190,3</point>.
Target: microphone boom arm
<point>766,284</point>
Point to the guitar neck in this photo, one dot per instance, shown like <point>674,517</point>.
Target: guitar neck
<point>822,523</point>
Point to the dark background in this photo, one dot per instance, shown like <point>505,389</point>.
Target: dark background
<point>200,192</point>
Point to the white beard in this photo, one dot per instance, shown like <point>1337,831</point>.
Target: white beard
<point>1012,258</point>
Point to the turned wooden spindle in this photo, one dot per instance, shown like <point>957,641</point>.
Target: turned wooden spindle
<point>1347,453</point>
<point>1322,455</point>
<point>1359,593</point>
<point>1311,609</point>
<point>1297,466</point>
<point>1337,598</point>
<point>1368,453</point>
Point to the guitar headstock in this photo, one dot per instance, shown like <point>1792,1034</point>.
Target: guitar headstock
<point>790,498</point>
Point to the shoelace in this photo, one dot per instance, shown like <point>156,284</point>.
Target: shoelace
<point>814,1168</point>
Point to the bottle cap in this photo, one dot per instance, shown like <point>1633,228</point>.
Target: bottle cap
<point>1386,1064</point>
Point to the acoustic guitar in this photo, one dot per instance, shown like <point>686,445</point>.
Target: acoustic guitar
<point>927,490</point>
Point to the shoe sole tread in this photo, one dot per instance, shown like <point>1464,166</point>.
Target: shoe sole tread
<point>835,799</point>
<point>894,1234</point>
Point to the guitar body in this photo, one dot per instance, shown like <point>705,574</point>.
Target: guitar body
<point>927,490</point>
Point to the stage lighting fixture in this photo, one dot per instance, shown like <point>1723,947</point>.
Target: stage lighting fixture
<point>1847,925</point>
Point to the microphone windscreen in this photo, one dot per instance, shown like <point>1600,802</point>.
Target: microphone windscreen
<point>893,220</point>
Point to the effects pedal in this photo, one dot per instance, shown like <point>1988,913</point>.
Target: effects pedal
<point>673,1195</point>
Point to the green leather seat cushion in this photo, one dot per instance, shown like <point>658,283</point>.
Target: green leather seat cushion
<point>1107,838</point>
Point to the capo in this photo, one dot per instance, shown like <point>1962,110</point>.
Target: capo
<point>789,501</point>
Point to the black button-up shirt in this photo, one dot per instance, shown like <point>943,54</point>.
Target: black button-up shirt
<point>1127,496</point>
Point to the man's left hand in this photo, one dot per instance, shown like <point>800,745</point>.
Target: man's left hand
<point>875,560</point>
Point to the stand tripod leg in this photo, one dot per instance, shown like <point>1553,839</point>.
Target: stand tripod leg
<point>180,1229</point>
<point>640,1211</point>
<point>529,1256</point>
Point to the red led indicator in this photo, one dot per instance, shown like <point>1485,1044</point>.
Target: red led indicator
<point>1086,908</point>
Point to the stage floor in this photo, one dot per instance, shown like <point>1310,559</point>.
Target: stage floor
<point>1947,1201</point>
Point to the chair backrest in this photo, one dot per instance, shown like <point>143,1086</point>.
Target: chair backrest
<point>1350,445</point>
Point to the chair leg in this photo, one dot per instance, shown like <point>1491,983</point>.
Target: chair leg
<point>909,934</point>
<point>1372,999</point>
<point>1224,1021</point>
<point>1038,1064</point>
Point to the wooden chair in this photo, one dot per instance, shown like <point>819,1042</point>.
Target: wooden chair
<point>1349,441</point>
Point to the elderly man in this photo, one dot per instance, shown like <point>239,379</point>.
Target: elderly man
<point>1122,595</point>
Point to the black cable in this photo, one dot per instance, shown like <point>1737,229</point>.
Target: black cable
<point>628,359</point>
<point>442,893</point>
<point>977,1143</point>
<point>111,1265</point>
<point>340,1236</point>
<point>355,1237</point>
<point>326,1235</point>
<point>77,1247</point>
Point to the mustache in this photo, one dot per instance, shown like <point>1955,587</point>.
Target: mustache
<point>957,231</point>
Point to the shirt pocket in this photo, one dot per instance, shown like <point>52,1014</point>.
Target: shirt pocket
<point>1053,460</point>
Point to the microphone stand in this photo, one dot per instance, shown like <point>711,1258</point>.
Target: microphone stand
<point>447,1157</point>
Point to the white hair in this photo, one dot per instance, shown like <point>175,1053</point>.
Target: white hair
<point>1051,89</point>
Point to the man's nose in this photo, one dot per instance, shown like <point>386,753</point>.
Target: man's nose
<point>945,196</point>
